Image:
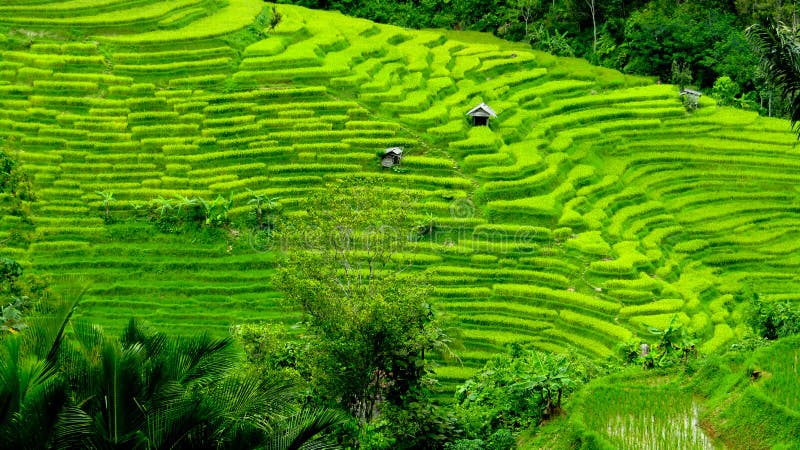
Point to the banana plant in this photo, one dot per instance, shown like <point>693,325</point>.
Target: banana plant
<point>223,205</point>
<point>263,205</point>
<point>107,198</point>
<point>187,203</point>
<point>163,205</point>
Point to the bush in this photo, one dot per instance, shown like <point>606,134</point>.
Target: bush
<point>10,271</point>
<point>514,391</point>
<point>725,90</point>
<point>774,320</point>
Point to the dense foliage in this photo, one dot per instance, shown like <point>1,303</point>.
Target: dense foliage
<point>518,390</point>
<point>774,319</point>
<point>368,318</point>
<point>13,180</point>
<point>643,37</point>
<point>778,45</point>
<point>65,385</point>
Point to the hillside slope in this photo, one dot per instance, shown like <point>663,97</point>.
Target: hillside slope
<point>592,206</point>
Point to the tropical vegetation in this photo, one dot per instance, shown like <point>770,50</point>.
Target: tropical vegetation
<point>610,263</point>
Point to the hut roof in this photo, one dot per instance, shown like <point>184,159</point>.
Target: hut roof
<point>393,151</point>
<point>482,110</point>
<point>691,92</point>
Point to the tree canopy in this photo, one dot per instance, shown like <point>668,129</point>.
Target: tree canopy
<point>367,310</point>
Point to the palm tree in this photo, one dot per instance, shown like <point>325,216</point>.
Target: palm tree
<point>779,49</point>
<point>144,390</point>
<point>148,390</point>
<point>32,390</point>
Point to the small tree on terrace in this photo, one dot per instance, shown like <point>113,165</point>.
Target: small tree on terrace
<point>367,313</point>
<point>725,90</point>
<point>276,18</point>
<point>681,74</point>
<point>107,198</point>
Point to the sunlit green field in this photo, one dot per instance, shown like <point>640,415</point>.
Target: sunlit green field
<point>593,206</point>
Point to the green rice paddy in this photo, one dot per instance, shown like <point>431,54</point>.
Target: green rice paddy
<point>592,207</point>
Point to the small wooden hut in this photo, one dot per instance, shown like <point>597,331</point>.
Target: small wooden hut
<point>481,114</point>
<point>692,92</point>
<point>691,98</point>
<point>391,157</point>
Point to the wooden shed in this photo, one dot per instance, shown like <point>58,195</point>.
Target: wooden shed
<point>391,157</point>
<point>691,92</point>
<point>481,114</point>
<point>691,98</point>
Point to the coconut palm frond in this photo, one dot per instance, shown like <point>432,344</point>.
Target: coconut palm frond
<point>202,360</point>
<point>779,49</point>
<point>31,395</point>
<point>305,431</point>
<point>75,429</point>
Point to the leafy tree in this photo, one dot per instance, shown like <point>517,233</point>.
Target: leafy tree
<point>778,47</point>
<point>551,381</point>
<point>681,74</point>
<point>11,315</point>
<point>10,273</point>
<point>13,180</point>
<point>555,42</point>
<point>663,32</point>
<point>271,351</point>
<point>725,91</point>
<point>760,11</point>
<point>674,345</point>
<point>367,313</point>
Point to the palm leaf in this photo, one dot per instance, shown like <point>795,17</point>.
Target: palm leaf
<point>779,49</point>
<point>305,431</point>
<point>75,429</point>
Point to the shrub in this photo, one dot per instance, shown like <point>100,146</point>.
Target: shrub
<point>774,320</point>
<point>515,391</point>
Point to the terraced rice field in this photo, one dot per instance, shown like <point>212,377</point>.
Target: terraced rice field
<point>645,417</point>
<point>592,206</point>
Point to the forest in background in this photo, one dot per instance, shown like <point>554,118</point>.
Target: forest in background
<point>687,43</point>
